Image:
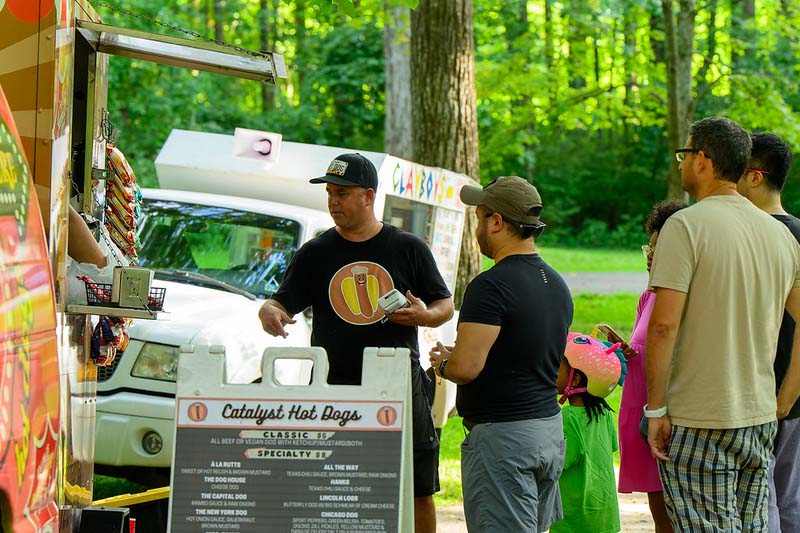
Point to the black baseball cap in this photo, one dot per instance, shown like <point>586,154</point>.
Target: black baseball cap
<point>351,170</point>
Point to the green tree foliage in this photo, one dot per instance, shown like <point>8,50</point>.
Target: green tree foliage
<point>334,95</point>
<point>575,100</point>
<point>572,94</point>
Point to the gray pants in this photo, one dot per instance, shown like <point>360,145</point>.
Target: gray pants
<point>509,475</point>
<point>784,479</point>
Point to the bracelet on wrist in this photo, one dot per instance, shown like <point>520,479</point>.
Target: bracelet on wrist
<point>655,413</point>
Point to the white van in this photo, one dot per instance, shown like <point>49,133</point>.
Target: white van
<point>416,198</point>
<point>220,256</point>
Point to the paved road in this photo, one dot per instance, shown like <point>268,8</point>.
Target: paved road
<point>606,282</point>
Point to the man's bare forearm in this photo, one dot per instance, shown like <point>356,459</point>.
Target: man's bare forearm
<point>660,344</point>
<point>790,387</point>
<point>439,312</point>
<point>661,334</point>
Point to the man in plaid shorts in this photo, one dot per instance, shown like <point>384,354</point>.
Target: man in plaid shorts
<point>723,272</point>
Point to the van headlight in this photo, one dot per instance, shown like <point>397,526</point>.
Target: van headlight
<point>157,361</point>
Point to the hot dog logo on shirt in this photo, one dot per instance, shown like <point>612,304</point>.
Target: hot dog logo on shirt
<point>354,291</point>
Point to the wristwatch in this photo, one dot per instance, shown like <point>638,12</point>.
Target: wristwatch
<point>441,367</point>
<point>655,413</point>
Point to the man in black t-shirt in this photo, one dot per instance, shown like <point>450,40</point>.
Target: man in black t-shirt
<point>762,183</point>
<point>512,332</point>
<point>340,275</point>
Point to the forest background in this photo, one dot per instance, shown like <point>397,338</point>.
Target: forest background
<point>585,98</point>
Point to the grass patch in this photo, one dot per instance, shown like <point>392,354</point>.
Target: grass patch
<point>450,464</point>
<point>106,486</point>
<point>617,310</point>
<point>588,259</point>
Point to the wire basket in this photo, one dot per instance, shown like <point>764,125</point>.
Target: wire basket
<point>155,299</point>
<point>100,294</point>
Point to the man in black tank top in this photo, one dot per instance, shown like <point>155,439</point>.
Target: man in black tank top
<point>512,332</point>
<point>762,183</point>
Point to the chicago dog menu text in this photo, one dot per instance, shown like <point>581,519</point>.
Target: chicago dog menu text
<point>297,466</point>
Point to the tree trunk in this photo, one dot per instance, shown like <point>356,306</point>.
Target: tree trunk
<point>445,132</point>
<point>656,41</point>
<point>515,19</point>
<point>265,31</point>
<point>300,48</point>
<point>552,76</point>
<point>630,71</point>
<point>679,41</point>
<point>578,50</point>
<point>219,20</point>
<point>703,85</point>
<point>742,13</point>
<point>548,35</point>
<point>210,23</point>
<point>397,66</point>
<point>711,53</point>
<point>749,8</point>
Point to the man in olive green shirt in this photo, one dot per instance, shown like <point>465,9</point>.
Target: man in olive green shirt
<point>723,272</point>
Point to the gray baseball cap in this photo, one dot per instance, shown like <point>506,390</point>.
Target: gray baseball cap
<point>511,196</point>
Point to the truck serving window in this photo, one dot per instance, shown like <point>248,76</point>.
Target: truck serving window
<point>247,250</point>
<point>408,215</point>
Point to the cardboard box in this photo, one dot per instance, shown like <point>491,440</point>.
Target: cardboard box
<point>130,286</point>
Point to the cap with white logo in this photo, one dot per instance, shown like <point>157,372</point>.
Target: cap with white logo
<point>350,170</point>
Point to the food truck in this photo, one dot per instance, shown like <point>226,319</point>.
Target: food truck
<point>53,146</point>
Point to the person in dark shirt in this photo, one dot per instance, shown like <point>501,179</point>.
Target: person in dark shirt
<point>762,183</point>
<point>340,275</point>
<point>512,331</point>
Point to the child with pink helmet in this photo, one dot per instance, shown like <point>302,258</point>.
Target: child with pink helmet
<point>589,372</point>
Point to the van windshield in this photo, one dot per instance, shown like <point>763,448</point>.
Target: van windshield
<point>247,250</point>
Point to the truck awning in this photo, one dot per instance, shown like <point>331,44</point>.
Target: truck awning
<point>179,52</point>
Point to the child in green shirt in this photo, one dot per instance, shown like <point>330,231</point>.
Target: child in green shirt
<point>589,372</point>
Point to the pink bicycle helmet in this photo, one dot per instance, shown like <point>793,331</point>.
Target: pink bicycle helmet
<point>600,364</point>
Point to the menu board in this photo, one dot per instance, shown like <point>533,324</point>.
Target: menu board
<point>446,242</point>
<point>292,466</point>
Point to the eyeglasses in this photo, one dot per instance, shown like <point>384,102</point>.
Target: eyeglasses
<point>647,250</point>
<point>680,153</point>
<point>756,170</point>
<point>538,229</point>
